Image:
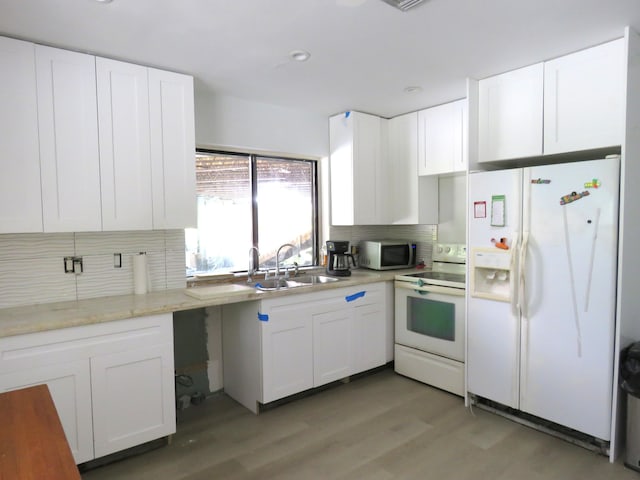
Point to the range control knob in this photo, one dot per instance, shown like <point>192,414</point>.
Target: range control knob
<point>447,249</point>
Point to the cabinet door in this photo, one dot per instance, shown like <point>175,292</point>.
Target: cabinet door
<point>369,336</point>
<point>68,125</point>
<point>173,150</point>
<point>125,158</point>
<point>133,397</point>
<point>584,101</point>
<point>332,354</point>
<point>441,139</point>
<point>402,160</point>
<point>20,197</point>
<point>69,384</point>
<point>358,182</point>
<point>370,192</point>
<point>287,352</point>
<point>510,114</point>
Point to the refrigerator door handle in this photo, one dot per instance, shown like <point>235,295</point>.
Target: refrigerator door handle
<point>522,298</point>
<point>515,282</point>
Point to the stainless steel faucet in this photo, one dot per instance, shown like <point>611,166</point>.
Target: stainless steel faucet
<point>278,257</point>
<point>251,271</point>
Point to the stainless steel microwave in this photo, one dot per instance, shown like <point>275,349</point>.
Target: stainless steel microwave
<point>386,254</point>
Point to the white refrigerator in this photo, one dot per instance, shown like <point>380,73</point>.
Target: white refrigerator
<point>541,312</point>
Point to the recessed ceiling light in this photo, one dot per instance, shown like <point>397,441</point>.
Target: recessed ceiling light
<point>103,1</point>
<point>299,55</point>
<point>412,89</point>
<point>404,5</point>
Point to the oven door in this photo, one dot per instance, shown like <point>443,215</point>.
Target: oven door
<point>430,318</point>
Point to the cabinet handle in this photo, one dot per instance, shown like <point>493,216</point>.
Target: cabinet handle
<point>355,296</point>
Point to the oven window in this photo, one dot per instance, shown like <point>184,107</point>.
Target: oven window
<point>431,318</point>
<point>393,255</point>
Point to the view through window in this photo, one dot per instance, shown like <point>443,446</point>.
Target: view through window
<point>246,200</point>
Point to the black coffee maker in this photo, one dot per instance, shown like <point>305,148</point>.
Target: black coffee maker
<point>339,261</point>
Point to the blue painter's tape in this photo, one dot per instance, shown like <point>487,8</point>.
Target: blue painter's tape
<point>263,317</point>
<point>355,296</point>
<point>347,114</point>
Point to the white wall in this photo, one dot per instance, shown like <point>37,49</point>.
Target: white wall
<point>452,210</point>
<point>223,121</point>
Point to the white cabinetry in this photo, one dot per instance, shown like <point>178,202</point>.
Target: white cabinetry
<point>358,183</point>
<point>332,348</point>
<point>173,149</point>
<point>125,158</point>
<point>20,197</point>
<point>70,385</point>
<point>411,199</point>
<point>584,100</point>
<point>510,120</point>
<point>112,383</point>
<point>287,357</point>
<point>68,125</point>
<point>568,104</point>
<point>133,396</point>
<point>278,347</point>
<point>93,144</point>
<point>442,139</point>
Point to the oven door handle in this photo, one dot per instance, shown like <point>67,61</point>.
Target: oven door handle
<point>422,288</point>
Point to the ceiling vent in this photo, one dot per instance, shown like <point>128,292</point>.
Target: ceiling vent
<point>404,5</point>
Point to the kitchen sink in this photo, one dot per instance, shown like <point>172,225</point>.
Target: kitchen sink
<point>293,282</point>
<point>314,279</point>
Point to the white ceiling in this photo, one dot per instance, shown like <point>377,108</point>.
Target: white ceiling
<point>363,52</point>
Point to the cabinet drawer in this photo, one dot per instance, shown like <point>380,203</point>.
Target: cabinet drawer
<point>23,352</point>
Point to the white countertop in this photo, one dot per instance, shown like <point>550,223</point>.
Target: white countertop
<point>52,316</point>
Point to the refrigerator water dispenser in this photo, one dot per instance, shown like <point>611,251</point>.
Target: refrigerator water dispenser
<point>492,274</point>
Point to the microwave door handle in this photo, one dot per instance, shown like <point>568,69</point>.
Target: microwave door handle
<point>412,254</point>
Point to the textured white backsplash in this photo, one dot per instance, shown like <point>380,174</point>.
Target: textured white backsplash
<point>32,265</point>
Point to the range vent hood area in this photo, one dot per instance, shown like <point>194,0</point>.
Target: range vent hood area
<point>404,5</point>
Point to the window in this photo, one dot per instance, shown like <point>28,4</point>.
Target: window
<point>246,200</point>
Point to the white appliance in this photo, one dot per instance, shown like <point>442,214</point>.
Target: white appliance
<point>541,314</point>
<point>430,321</point>
<point>386,254</point>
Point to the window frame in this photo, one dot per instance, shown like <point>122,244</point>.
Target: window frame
<point>253,179</point>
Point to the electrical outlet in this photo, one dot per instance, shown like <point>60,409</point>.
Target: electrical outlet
<point>73,265</point>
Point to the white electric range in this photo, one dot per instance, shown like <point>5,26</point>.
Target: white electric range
<point>430,321</point>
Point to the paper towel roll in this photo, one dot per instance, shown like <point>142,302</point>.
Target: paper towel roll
<point>140,274</point>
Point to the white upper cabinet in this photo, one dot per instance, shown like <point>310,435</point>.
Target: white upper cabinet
<point>510,120</point>
<point>173,149</point>
<point>411,199</point>
<point>584,101</point>
<point>68,125</point>
<point>402,158</point>
<point>20,197</point>
<point>358,186</point>
<point>125,156</point>
<point>92,144</point>
<point>568,104</point>
<point>442,139</point>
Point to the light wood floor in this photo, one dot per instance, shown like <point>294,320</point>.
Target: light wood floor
<point>381,426</point>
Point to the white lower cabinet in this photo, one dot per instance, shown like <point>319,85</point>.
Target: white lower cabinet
<point>287,359</point>
<point>112,383</point>
<point>282,346</point>
<point>332,348</point>
<point>133,398</point>
<point>70,387</point>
